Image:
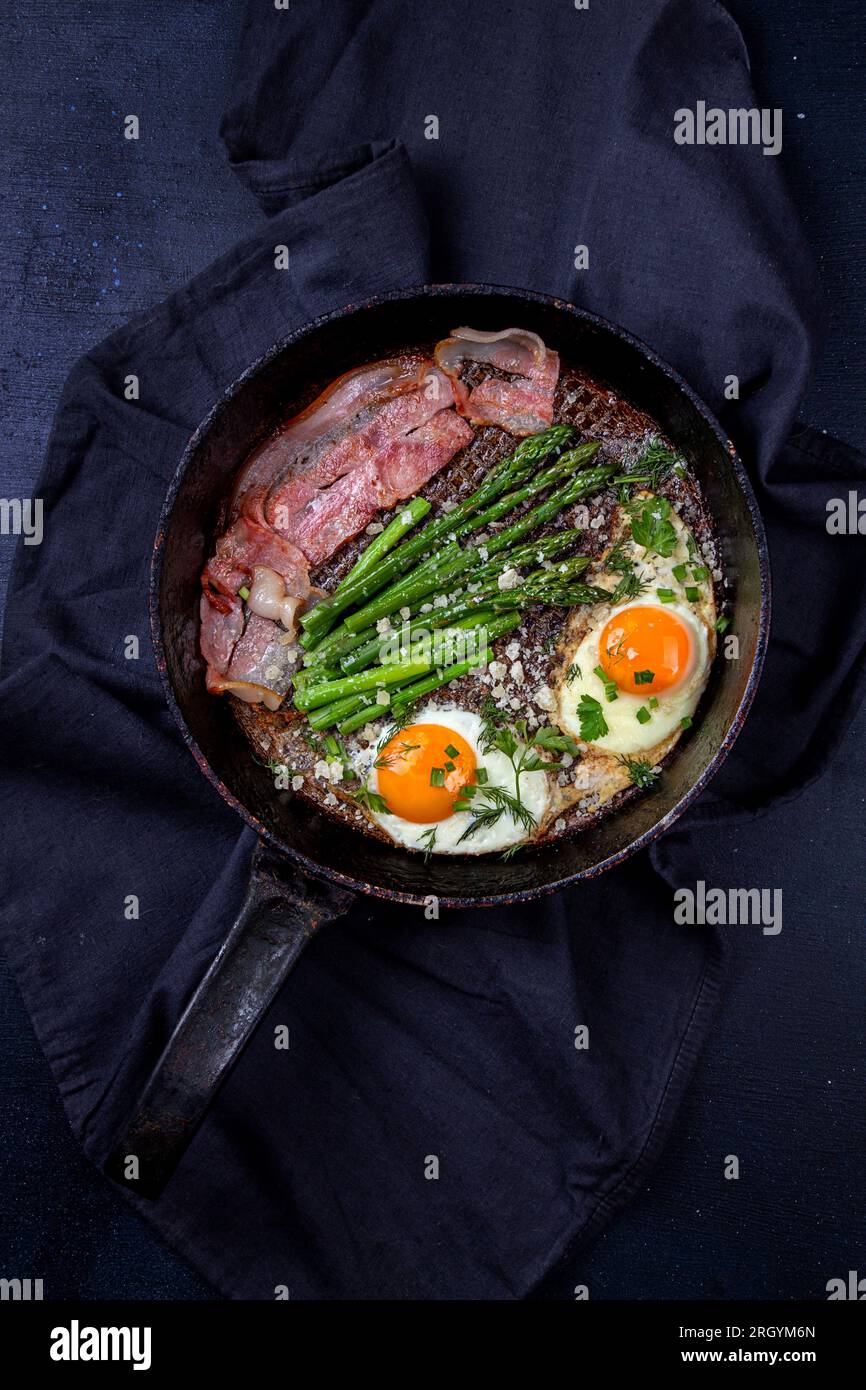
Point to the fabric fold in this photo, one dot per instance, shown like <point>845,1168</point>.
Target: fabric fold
<point>410,1039</point>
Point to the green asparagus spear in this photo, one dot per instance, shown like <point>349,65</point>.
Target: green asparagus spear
<point>381,677</point>
<point>437,676</point>
<point>327,715</point>
<point>504,476</point>
<point>565,467</point>
<point>408,694</point>
<point>409,588</point>
<point>470,603</point>
<point>388,539</point>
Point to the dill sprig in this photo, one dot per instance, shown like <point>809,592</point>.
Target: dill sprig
<point>489,813</point>
<point>389,759</point>
<point>521,748</point>
<point>630,586</point>
<point>654,463</point>
<point>641,773</point>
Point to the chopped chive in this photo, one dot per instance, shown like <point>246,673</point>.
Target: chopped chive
<point>679,573</point>
<point>449,767</point>
<point>469,790</point>
<point>653,702</point>
<point>722,624</point>
<point>692,594</point>
<point>462,805</point>
<point>610,690</point>
<point>643,715</point>
<point>700,572</point>
<point>666,595</point>
<point>243,592</point>
<point>686,721</point>
<point>451,751</point>
<point>481,775</point>
<point>437,777</point>
<point>644,677</point>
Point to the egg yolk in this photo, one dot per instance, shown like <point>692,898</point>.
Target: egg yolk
<point>645,649</point>
<point>422,771</point>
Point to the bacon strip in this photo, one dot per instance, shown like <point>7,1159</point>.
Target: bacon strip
<point>393,455</point>
<point>278,578</point>
<point>523,405</point>
<point>341,408</point>
<point>260,668</point>
<point>374,436</point>
<point>396,471</point>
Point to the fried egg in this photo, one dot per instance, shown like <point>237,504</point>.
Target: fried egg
<point>634,671</point>
<point>422,773</point>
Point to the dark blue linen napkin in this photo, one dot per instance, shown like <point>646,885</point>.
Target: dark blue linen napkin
<point>411,1039</point>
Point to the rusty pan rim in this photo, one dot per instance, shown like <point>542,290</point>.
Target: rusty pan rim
<point>661,826</point>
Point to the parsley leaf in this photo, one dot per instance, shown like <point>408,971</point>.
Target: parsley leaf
<point>553,740</point>
<point>651,528</point>
<point>373,801</point>
<point>593,724</point>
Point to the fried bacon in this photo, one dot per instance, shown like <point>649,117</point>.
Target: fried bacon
<point>372,438</point>
<point>376,435</point>
<point>390,458</point>
<point>522,403</point>
<point>299,444</point>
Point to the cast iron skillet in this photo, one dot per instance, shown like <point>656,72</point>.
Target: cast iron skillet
<point>307,869</point>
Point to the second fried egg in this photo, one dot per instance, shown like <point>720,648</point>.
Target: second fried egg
<point>636,670</point>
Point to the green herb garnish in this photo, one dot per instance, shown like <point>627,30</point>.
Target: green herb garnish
<point>496,800</point>
<point>372,800</point>
<point>490,813</point>
<point>610,691</point>
<point>629,587</point>
<point>640,772</point>
<point>510,852</point>
<point>593,724</point>
<point>651,528</point>
<point>553,740</point>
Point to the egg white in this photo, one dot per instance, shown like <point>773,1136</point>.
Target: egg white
<point>534,793</point>
<point>625,733</point>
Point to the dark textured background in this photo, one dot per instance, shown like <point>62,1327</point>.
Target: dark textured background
<point>96,228</point>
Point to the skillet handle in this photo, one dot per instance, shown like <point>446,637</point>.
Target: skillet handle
<point>281,911</point>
